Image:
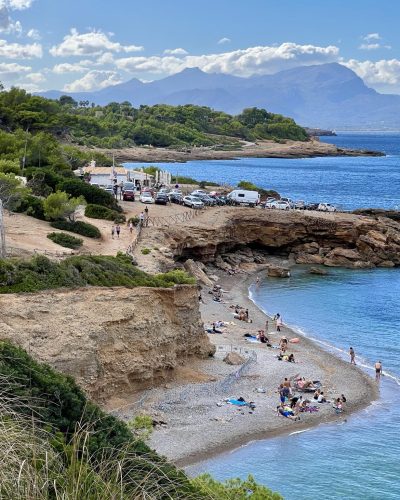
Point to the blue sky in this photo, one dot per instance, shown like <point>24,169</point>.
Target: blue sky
<point>86,45</point>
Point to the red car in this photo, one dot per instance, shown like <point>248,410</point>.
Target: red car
<point>129,190</point>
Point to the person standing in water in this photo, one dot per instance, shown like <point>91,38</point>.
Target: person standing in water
<point>278,320</point>
<point>352,356</point>
<point>378,370</point>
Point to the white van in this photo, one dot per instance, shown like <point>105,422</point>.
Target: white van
<point>243,197</point>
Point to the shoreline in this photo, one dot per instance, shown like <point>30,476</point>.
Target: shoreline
<point>216,434</point>
<point>262,149</point>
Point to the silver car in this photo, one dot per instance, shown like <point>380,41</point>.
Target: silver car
<point>192,202</point>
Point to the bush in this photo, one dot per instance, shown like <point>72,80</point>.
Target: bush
<point>32,206</point>
<point>92,194</point>
<point>65,240</point>
<point>78,227</point>
<point>61,407</point>
<point>40,273</point>
<point>59,205</point>
<point>135,220</point>
<point>146,251</point>
<point>100,212</point>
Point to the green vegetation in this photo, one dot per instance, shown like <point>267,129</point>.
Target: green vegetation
<point>55,443</point>
<point>234,489</point>
<point>31,205</point>
<point>146,251</point>
<point>141,426</point>
<point>78,227</point>
<point>65,240</point>
<point>92,194</point>
<point>59,205</point>
<point>263,192</point>
<point>100,212</point>
<point>40,273</point>
<point>43,121</point>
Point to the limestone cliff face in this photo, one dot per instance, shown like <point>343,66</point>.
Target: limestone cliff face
<point>112,340</point>
<point>338,239</point>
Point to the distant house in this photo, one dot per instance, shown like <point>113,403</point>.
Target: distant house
<point>104,176</point>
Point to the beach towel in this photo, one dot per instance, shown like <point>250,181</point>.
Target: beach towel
<point>237,402</point>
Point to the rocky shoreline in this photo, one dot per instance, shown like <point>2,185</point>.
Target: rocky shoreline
<point>261,149</point>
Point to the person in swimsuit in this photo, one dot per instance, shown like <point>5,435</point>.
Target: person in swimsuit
<point>378,370</point>
<point>352,356</point>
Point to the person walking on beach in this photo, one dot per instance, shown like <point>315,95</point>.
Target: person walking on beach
<point>141,218</point>
<point>112,231</point>
<point>146,216</point>
<point>378,370</point>
<point>266,326</point>
<point>130,227</point>
<point>118,230</point>
<point>258,280</point>
<point>352,356</point>
<point>278,320</point>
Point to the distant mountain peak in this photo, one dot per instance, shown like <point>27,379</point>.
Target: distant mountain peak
<point>325,95</point>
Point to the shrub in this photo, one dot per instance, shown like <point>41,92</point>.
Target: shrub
<point>78,227</point>
<point>100,212</point>
<point>40,273</point>
<point>142,426</point>
<point>59,205</point>
<point>32,206</point>
<point>263,192</point>
<point>65,240</point>
<point>146,251</point>
<point>10,167</point>
<point>135,220</point>
<point>92,194</point>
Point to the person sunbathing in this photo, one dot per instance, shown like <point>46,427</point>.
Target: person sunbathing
<point>302,383</point>
<point>286,412</point>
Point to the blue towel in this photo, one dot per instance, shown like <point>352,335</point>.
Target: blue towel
<point>237,402</point>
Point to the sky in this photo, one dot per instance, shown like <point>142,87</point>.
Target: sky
<point>84,45</point>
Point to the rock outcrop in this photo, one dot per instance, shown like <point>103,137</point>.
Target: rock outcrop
<point>230,237</point>
<point>113,341</point>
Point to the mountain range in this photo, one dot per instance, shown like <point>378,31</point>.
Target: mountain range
<point>327,95</point>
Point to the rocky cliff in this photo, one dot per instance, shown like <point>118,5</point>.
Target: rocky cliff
<point>114,341</point>
<point>339,239</point>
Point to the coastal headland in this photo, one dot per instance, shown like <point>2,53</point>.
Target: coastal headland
<point>145,351</point>
<point>260,149</point>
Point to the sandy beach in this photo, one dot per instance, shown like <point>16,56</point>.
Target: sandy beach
<point>199,423</point>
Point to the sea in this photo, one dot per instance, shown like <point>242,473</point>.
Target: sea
<point>358,457</point>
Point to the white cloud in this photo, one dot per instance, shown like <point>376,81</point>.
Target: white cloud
<point>370,46</point>
<point>371,36</point>
<point>176,52</point>
<point>29,87</point>
<point>383,73</point>
<point>224,40</point>
<point>20,51</point>
<point>12,69</point>
<point>89,44</point>
<point>245,62</point>
<point>34,34</point>
<point>94,79</point>
<point>78,67</point>
<point>36,77</point>
<point>106,58</point>
<point>7,24</point>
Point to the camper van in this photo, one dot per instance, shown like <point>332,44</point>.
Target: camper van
<point>243,197</point>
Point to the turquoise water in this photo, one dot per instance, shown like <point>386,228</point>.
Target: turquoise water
<point>348,182</point>
<point>359,458</point>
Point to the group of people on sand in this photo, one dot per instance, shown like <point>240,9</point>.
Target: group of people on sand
<point>241,314</point>
<point>378,365</point>
<point>217,293</point>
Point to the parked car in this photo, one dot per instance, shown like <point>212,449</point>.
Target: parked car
<point>146,197</point>
<point>161,199</point>
<point>109,189</point>
<point>176,198</point>
<point>326,207</point>
<point>207,200</point>
<point>128,193</point>
<point>244,197</point>
<point>268,201</point>
<point>288,200</point>
<point>198,192</point>
<point>192,202</point>
<point>148,189</point>
<point>300,205</point>
<point>280,205</point>
<point>311,206</point>
<point>163,190</point>
<point>220,200</point>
